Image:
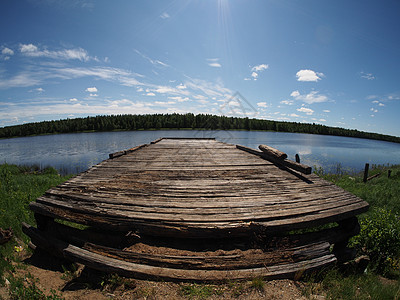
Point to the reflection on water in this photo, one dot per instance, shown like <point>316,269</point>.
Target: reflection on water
<point>74,153</point>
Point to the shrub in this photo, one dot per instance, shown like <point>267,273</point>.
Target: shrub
<point>379,238</point>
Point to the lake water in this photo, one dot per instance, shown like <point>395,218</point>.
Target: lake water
<point>74,153</point>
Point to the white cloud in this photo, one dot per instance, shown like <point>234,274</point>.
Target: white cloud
<point>154,62</point>
<point>200,97</point>
<point>161,63</point>
<point>65,54</point>
<point>308,75</point>
<point>377,102</point>
<point>24,79</point>
<point>73,100</point>
<point>368,76</point>
<point>214,62</point>
<point>169,90</point>
<point>91,90</point>
<point>179,98</point>
<point>164,103</point>
<point>38,90</point>
<point>374,110</point>
<point>204,101</point>
<point>181,86</point>
<point>322,120</point>
<point>310,98</point>
<point>393,97</point>
<point>294,115</point>
<point>295,94</point>
<point>25,48</point>
<point>287,102</point>
<point>262,104</point>
<point>51,109</point>
<point>260,68</point>
<point>215,65</point>
<point>326,111</point>
<point>41,74</point>
<point>305,110</point>
<point>150,94</point>
<point>210,89</point>
<point>7,51</point>
<point>164,16</point>
<point>256,70</point>
<point>110,74</point>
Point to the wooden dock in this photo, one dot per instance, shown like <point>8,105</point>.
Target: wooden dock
<point>176,208</point>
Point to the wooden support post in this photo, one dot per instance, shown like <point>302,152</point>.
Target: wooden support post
<point>42,221</point>
<point>366,172</point>
<point>389,173</point>
<point>297,157</point>
<point>340,249</point>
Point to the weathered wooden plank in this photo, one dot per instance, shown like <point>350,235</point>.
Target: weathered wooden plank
<point>112,265</point>
<point>193,229</point>
<point>203,215</point>
<point>249,203</point>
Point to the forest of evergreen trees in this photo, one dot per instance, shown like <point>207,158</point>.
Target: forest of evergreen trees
<point>179,121</point>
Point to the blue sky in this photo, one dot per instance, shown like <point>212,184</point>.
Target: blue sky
<point>329,62</point>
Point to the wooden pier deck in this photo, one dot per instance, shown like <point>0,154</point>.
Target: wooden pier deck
<point>175,190</point>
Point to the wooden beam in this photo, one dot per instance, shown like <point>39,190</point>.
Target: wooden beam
<point>272,152</point>
<point>286,162</point>
<point>123,152</point>
<point>111,265</point>
<point>366,172</point>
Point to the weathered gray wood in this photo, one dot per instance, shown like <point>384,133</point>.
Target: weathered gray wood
<point>156,141</point>
<point>131,269</point>
<point>285,163</point>
<point>366,172</point>
<point>272,152</point>
<point>373,176</point>
<point>116,154</point>
<point>124,152</point>
<point>189,186</point>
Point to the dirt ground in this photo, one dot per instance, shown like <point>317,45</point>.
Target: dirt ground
<point>77,282</point>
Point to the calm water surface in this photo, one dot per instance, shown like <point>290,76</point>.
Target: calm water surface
<point>74,153</point>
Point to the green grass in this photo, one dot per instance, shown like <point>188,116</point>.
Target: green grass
<point>335,285</point>
<point>20,185</point>
<point>257,283</point>
<point>380,192</point>
<point>199,291</point>
<point>379,238</point>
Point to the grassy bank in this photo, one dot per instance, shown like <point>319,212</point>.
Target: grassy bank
<point>20,185</point>
<point>379,237</point>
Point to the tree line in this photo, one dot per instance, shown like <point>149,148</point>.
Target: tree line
<point>179,121</point>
